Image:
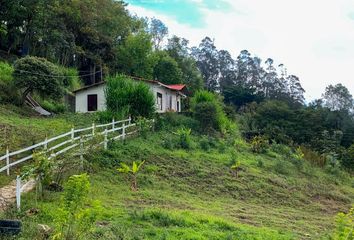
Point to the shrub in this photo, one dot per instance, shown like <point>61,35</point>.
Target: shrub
<point>33,74</point>
<point>169,142</point>
<point>144,126</point>
<point>282,149</point>
<point>344,226</point>
<point>172,120</point>
<point>259,144</point>
<point>71,81</point>
<point>123,94</point>
<point>8,93</point>
<point>205,143</point>
<point>108,116</point>
<point>53,107</point>
<point>313,157</point>
<point>41,170</point>
<point>184,137</point>
<point>77,213</point>
<point>208,110</point>
<point>347,160</point>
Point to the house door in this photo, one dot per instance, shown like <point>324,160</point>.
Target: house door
<point>92,102</point>
<point>178,106</point>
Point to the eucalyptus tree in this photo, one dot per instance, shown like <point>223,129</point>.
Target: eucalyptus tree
<point>206,56</point>
<point>338,98</point>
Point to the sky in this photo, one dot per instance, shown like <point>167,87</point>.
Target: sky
<point>314,39</point>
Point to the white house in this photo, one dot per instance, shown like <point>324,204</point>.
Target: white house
<point>168,97</point>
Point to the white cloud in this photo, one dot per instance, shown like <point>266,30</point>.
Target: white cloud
<point>314,39</point>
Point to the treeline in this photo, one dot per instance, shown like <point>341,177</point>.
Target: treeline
<point>101,38</point>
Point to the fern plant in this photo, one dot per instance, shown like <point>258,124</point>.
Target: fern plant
<point>131,172</point>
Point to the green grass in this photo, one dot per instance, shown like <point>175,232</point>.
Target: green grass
<point>193,195</point>
<point>21,127</point>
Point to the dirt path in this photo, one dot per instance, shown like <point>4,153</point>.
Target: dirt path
<point>8,193</point>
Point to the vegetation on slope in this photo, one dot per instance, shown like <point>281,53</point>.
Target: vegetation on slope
<point>193,193</point>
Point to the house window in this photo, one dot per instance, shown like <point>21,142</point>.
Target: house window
<point>92,102</point>
<point>159,101</point>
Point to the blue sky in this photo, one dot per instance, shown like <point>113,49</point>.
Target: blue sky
<point>187,12</point>
<point>313,38</point>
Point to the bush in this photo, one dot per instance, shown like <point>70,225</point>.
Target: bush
<point>344,226</point>
<point>123,94</point>
<point>313,157</point>
<point>347,160</point>
<point>33,74</point>
<point>77,213</point>
<point>259,144</point>
<point>184,137</point>
<point>71,81</point>
<point>144,126</point>
<point>108,116</point>
<point>53,107</point>
<point>172,120</point>
<point>208,110</point>
<point>8,93</point>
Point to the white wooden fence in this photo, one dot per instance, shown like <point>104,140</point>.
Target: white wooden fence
<point>67,141</point>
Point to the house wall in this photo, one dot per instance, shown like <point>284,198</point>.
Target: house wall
<point>81,98</point>
<point>166,94</point>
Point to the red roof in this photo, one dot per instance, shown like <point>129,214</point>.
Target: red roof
<point>177,87</point>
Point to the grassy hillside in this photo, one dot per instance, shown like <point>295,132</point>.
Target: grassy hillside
<point>193,194</point>
<point>22,127</point>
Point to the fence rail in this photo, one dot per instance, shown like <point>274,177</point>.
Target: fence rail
<point>67,141</point>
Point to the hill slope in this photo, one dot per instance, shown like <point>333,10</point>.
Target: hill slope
<point>192,194</point>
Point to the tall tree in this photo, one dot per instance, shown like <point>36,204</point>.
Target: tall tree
<point>135,56</point>
<point>338,98</point>
<point>206,56</point>
<point>178,49</point>
<point>158,31</point>
<point>166,69</point>
<point>227,68</point>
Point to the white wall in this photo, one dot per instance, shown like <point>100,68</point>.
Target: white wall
<point>166,93</point>
<point>81,98</point>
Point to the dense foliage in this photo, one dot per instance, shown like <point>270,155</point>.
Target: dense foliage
<point>130,97</point>
<point>32,74</point>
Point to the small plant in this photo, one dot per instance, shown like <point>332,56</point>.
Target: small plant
<point>41,171</point>
<point>259,144</point>
<point>344,226</point>
<point>132,173</point>
<point>77,213</point>
<point>144,126</point>
<point>184,137</point>
<point>236,168</point>
<point>298,157</point>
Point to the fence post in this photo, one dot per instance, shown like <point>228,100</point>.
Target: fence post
<point>129,120</point>
<point>105,139</point>
<point>123,130</point>
<point>7,161</point>
<point>113,124</point>
<point>93,129</point>
<point>18,192</point>
<point>46,143</point>
<point>82,152</point>
<point>72,134</point>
